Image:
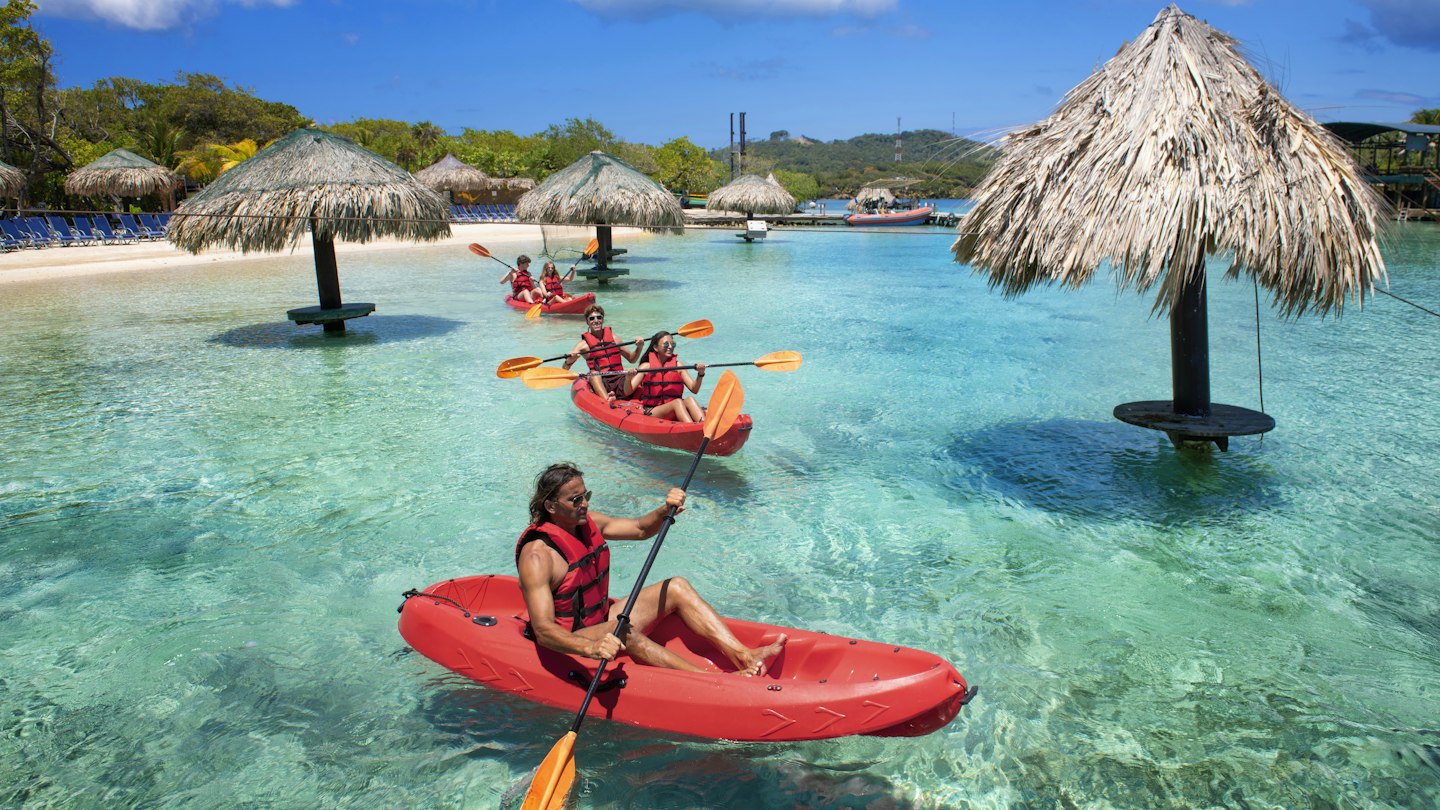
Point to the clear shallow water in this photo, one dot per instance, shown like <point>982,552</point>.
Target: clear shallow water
<point>207,517</point>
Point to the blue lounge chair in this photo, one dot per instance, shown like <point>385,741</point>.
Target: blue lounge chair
<point>109,234</point>
<point>40,230</point>
<point>134,228</point>
<point>164,219</point>
<point>86,231</point>
<point>61,229</point>
<point>152,223</point>
<point>12,237</point>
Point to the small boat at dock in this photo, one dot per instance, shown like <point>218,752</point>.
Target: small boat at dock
<point>904,216</point>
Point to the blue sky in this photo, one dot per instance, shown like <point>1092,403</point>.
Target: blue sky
<point>653,70</point>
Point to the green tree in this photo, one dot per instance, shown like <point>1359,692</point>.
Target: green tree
<point>28,123</point>
<point>1427,115</point>
<point>683,166</point>
<point>566,143</point>
<point>779,135</point>
<point>800,185</point>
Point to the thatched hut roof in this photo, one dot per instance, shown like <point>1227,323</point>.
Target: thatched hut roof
<point>871,196</point>
<point>451,174</point>
<point>268,201</point>
<point>599,189</point>
<point>751,194</point>
<point>1173,150</point>
<point>120,173</point>
<point>11,180</point>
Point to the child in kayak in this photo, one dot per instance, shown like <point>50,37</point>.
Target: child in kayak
<point>661,392</point>
<point>602,354</point>
<point>565,581</point>
<point>552,284</point>
<point>522,284</point>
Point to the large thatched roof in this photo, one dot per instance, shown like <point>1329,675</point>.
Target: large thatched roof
<point>120,173</point>
<point>1173,150</point>
<point>871,196</point>
<point>268,201</point>
<point>11,180</point>
<point>751,194</point>
<point>451,174</point>
<point>599,189</point>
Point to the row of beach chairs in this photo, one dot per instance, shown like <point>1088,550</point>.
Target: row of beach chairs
<point>17,233</point>
<point>482,213</point>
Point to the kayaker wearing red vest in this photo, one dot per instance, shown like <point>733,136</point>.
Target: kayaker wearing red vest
<point>522,284</point>
<point>663,392</point>
<point>564,567</point>
<point>603,354</point>
<point>553,285</point>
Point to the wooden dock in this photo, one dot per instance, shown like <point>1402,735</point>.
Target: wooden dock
<point>820,219</point>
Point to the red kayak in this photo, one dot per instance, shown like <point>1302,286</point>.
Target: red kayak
<point>820,686</point>
<point>575,306</point>
<point>629,417</point>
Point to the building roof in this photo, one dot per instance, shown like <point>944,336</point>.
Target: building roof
<point>1357,131</point>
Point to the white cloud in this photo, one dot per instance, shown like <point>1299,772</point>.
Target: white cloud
<point>145,15</point>
<point>738,10</point>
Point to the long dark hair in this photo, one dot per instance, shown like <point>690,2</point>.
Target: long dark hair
<point>654,340</point>
<point>547,483</point>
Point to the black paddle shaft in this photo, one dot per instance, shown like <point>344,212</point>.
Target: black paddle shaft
<point>624,619</point>
<point>665,368</point>
<point>603,348</point>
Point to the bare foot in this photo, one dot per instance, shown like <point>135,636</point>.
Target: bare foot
<point>751,663</point>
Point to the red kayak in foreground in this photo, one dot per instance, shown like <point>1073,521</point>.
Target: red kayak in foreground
<point>819,686</point>
<point>575,306</point>
<point>629,417</point>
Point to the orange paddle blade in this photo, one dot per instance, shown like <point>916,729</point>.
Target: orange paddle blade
<point>515,365</point>
<point>591,246</point>
<point>696,329</point>
<point>724,406</point>
<point>779,361</point>
<point>551,785</point>
<point>479,250</point>
<point>533,312</point>
<point>544,377</point>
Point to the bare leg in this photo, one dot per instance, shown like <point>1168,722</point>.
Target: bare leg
<point>597,384</point>
<point>676,595</point>
<point>673,410</point>
<point>696,414</point>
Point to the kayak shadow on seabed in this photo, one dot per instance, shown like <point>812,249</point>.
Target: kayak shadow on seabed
<point>1111,471</point>
<point>368,331</point>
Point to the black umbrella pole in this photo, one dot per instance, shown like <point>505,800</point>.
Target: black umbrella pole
<point>602,253</point>
<point>1190,349</point>
<point>327,278</point>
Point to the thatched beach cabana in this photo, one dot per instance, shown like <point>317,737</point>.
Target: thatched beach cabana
<point>601,190</point>
<point>871,198</point>
<point>12,180</point>
<point>1177,149</point>
<point>317,182</point>
<point>451,174</point>
<point>750,194</point>
<point>122,173</point>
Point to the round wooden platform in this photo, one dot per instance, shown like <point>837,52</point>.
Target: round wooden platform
<point>1223,422</point>
<point>304,315</point>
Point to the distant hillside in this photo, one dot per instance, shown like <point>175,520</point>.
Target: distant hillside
<point>946,166</point>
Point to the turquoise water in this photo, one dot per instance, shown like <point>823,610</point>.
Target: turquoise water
<point>207,517</point>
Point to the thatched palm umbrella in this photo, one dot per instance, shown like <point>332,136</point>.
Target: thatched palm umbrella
<point>451,174</point>
<point>751,194</point>
<point>12,180</point>
<point>1175,149</point>
<point>600,190</point>
<point>317,182</point>
<point>122,173</point>
<point>870,198</point>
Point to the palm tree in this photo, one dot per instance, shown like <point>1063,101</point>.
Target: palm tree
<point>206,162</point>
<point>1428,115</point>
<point>159,141</point>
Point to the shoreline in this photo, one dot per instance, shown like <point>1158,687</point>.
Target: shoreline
<point>78,261</point>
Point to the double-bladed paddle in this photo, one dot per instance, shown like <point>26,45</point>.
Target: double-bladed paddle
<point>480,250</point>
<point>515,365</point>
<point>540,378</point>
<point>551,785</point>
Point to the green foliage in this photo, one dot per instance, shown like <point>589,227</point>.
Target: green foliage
<point>945,166</point>
<point>1427,115</point>
<point>682,166</point>
<point>801,186</point>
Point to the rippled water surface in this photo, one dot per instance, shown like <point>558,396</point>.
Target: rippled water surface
<point>207,517</point>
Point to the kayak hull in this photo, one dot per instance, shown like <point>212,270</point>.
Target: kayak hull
<point>627,416</point>
<point>820,686</point>
<point>911,216</point>
<point>575,306</point>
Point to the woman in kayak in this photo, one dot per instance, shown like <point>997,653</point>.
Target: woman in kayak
<point>522,284</point>
<point>663,392</point>
<point>552,284</point>
<point>602,353</point>
<point>565,581</point>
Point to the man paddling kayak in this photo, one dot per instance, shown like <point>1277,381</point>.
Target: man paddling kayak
<point>602,353</point>
<point>522,284</point>
<point>564,578</point>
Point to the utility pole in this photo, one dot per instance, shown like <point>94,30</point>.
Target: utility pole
<point>732,146</point>
<point>898,150</point>
<point>742,143</point>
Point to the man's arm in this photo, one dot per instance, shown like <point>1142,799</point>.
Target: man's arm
<point>647,525</point>
<point>535,563</point>
<point>574,353</point>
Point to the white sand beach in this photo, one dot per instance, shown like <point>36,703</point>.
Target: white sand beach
<point>89,260</point>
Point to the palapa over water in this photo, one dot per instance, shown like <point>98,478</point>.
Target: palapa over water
<point>310,181</point>
<point>601,190</point>
<point>121,173</point>
<point>751,194</point>
<point>1177,149</point>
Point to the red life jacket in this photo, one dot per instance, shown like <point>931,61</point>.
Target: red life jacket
<point>553,286</point>
<point>584,593</point>
<point>659,387</point>
<point>607,358</point>
<point>521,281</point>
